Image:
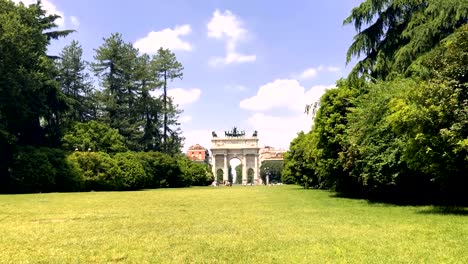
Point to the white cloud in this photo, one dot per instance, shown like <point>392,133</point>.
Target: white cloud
<point>279,131</point>
<point>333,69</point>
<point>284,93</point>
<point>167,38</point>
<point>74,20</point>
<point>181,96</point>
<point>226,26</point>
<point>50,9</point>
<point>309,73</point>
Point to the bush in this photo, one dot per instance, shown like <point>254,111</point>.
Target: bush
<point>100,172</point>
<point>133,175</point>
<point>163,170</point>
<point>47,170</point>
<point>197,173</point>
<point>42,170</point>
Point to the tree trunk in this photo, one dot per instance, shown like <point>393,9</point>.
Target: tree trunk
<point>165,112</point>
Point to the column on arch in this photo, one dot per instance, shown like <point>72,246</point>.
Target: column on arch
<point>256,168</point>
<point>213,166</point>
<point>244,168</point>
<point>225,173</point>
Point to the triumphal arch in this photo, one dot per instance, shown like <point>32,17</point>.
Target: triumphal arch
<point>235,144</point>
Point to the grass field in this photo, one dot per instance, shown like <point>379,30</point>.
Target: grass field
<point>281,224</point>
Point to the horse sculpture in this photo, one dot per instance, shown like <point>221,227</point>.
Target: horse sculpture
<point>234,133</point>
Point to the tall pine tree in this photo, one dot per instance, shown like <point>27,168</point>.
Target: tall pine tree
<point>76,84</point>
<point>168,69</point>
<point>116,66</point>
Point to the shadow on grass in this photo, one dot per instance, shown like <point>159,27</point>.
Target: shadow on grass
<point>446,210</point>
<point>442,207</point>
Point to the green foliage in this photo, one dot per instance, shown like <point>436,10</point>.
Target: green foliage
<point>94,136</point>
<point>219,175</point>
<point>402,133</point>
<point>151,162</point>
<point>197,173</point>
<point>399,31</point>
<point>374,154</point>
<point>42,170</point>
<point>138,170</point>
<point>315,159</point>
<point>250,175</point>
<point>230,176</point>
<point>31,101</point>
<point>297,167</point>
<point>239,174</point>
<point>273,168</point>
<point>115,64</point>
<point>50,101</point>
<point>127,104</point>
<point>328,137</point>
<point>165,170</point>
<point>76,84</point>
<point>168,69</point>
<point>100,171</point>
<point>133,175</point>
<point>30,96</point>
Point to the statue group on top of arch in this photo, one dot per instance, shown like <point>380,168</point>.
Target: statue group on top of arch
<point>234,133</point>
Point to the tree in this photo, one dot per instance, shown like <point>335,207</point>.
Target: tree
<point>31,102</point>
<point>399,31</point>
<point>399,132</point>
<point>297,167</point>
<point>149,107</point>
<point>94,136</point>
<point>76,84</point>
<point>250,175</point>
<point>116,64</point>
<point>432,116</point>
<point>219,175</point>
<point>273,168</point>
<point>174,140</point>
<point>168,69</point>
<point>230,176</point>
<point>239,174</point>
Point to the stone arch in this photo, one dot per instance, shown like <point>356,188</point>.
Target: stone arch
<point>238,146</point>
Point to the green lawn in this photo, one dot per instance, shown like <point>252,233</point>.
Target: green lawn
<point>280,224</point>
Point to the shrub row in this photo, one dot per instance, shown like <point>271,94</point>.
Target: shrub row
<point>53,170</point>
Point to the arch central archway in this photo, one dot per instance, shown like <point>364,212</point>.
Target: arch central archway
<point>235,170</point>
<point>236,145</point>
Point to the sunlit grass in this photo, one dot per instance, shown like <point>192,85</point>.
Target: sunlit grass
<point>281,224</point>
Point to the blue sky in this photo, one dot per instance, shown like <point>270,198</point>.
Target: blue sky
<point>250,64</point>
